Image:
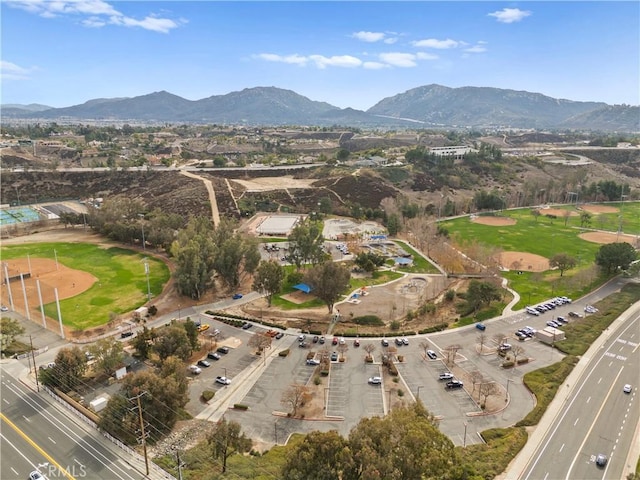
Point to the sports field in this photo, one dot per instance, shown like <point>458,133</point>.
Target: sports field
<point>93,283</point>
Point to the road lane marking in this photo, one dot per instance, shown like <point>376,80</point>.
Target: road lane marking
<point>576,422</point>
<point>588,399</point>
<point>26,419</point>
<point>14,471</point>
<point>546,476</point>
<point>561,448</point>
<point>6,401</point>
<point>36,446</point>
<point>600,379</point>
<point>52,440</point>
<point>593,424</point>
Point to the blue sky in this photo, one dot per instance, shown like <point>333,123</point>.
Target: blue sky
<point>349,54</point>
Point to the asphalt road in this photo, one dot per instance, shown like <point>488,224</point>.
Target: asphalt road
<point>37,434</point>
<point>597,416</point>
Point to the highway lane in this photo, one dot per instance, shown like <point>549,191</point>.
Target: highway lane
<point>63,448</point>
<point>597,417</point>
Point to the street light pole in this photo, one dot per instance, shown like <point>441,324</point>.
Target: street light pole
<point>464,440</point>
<point>146,271</point>
<point>506,395</point>
<point>418,393</point>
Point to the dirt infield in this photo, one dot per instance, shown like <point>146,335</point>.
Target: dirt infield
<point>605,237</point>
<point>494,221</point>
<point>599,209</point>
<point>67,281</point>
<point>528,262</point>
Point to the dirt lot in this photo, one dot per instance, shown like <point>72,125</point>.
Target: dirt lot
<point>528,262</point>
<point>494,221</point>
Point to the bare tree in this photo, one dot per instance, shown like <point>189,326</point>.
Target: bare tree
<point>486,390</point>
<point>517,351</point>
<point>294,397</point>
<point>369,348</point>
<point>476,378</point>
<point>425,346</point>
<point>499,339</point>
<point>342,349</point>
<point>451,352</point>
<point>482,339</point>
<point>260,342</point>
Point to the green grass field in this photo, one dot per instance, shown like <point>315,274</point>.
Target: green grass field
<point>121,285</point>
<point>546,237</point>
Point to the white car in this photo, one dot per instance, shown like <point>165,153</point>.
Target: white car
<point>36,475</point>
<point>4,308</point>
<point>223,380</point>
<point>196,370</point>
<point>627,388</point>
<point>313,361</point>
<point>375,380</point>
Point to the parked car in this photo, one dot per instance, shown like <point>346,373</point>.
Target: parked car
<point>321,341</point>
<point>203,363</point>
<point>375,381</point>
<point>454,384</point>
<point>203,327</point>
<point>247,326</point>
<point>196,370</point>
<point>4,308</point>
<point>575,314</point>
<point>36,475</point>
<point>505,347</point>
<point>398,341</point>
<point>334,356</point>
<point>237,296</point>
<point>627,388</point>
<point>223,380</point>
<point>224,350</point>
<point>342,341</point>
<point>316,339</point>
<point>313,361</point>
<point>303,344</point>
<point>481,326</point>
<point>213,356</point>
<point>445,376</point>
<point>356,343</point>
<point>334,341</point>
<point>431,354</point>
<point>279,335</point>
<point>405,341</point>
<point>553,324</point>
<point>590,309</point>
<point>562,320</point>
<point>385,342</point>
<point>302,337</point>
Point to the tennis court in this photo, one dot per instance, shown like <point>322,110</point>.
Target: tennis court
<point>10,216</point>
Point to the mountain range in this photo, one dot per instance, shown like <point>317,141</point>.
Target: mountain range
<point>428,106</point>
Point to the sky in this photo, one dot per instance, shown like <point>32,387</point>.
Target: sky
<point>349,54</point>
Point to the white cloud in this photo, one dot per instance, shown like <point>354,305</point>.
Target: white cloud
<point>510,15</point>
<point>398,59</point>
<point>291,59</point>
<point>390,40</point>
<point>336,61</point>
<point>426,56</point>
<point>98,13</point>
<point>435,43</point>
<point>369,36</point>
<point>11,71</point>
<point>479,48</point>
<point>374,65</point>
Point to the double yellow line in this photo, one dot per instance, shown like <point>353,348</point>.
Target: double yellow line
<point>37,447</point>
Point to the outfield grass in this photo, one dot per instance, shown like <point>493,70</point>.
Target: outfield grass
<point>121,285</point>
<point>546,237</point>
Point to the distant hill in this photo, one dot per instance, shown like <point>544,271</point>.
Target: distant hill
<point>427,106</point>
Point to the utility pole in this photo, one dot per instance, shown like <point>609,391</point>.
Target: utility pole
<point>143,435</point>
<point>180,464</point>
<point>35,369</point>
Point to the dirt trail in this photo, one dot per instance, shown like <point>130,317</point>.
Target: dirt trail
<point>215,213</point>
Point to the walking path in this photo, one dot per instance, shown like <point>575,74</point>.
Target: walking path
<point>215,214</point>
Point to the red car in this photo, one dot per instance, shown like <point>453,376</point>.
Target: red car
<point>356,343</point>
<point>334,341</point>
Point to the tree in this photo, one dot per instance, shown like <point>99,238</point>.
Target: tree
<point>536,213</point>
<point>294,397</point>
<point>486,390</point>
<point>260,341</point>
<point>476,378</point>
<point>517,351</point>
<point>321,456</point>
<point>328,281</point>
<point>482,339</point>
<point>585,219</point>
<point>499,339</point>
<point>172,341</point>
<point>369,261</point>
<point>191,330</point>
<point>237,254</point>
<point>142,342</point>
<point>10,328</point>
<point>369,348</point>
<point>404,444</point>
<point>69,367</point>
<point>268,279</point>
<point>562,262</point>
<point>425,346</point>
<point>108,353</point>
<point>615,256</point>
<point>451,352</point>
<point>306,244</point>
<point>227,439</point>
<point>342,349</point>
<point>480,293</point>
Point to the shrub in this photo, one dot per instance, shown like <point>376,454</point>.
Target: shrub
<point>240,406</point>
<point>368,359</point>
<point>284,353</point>
<point>395,325</point>
<point>372,320</point>
<point>450,295</point>
<point>523,360</point>
<point>207,395</point>
<point>317,380</point>
<point>400,393</point>
<point>401,358</point>
<point>324,373</point>
<point>507,364</point>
